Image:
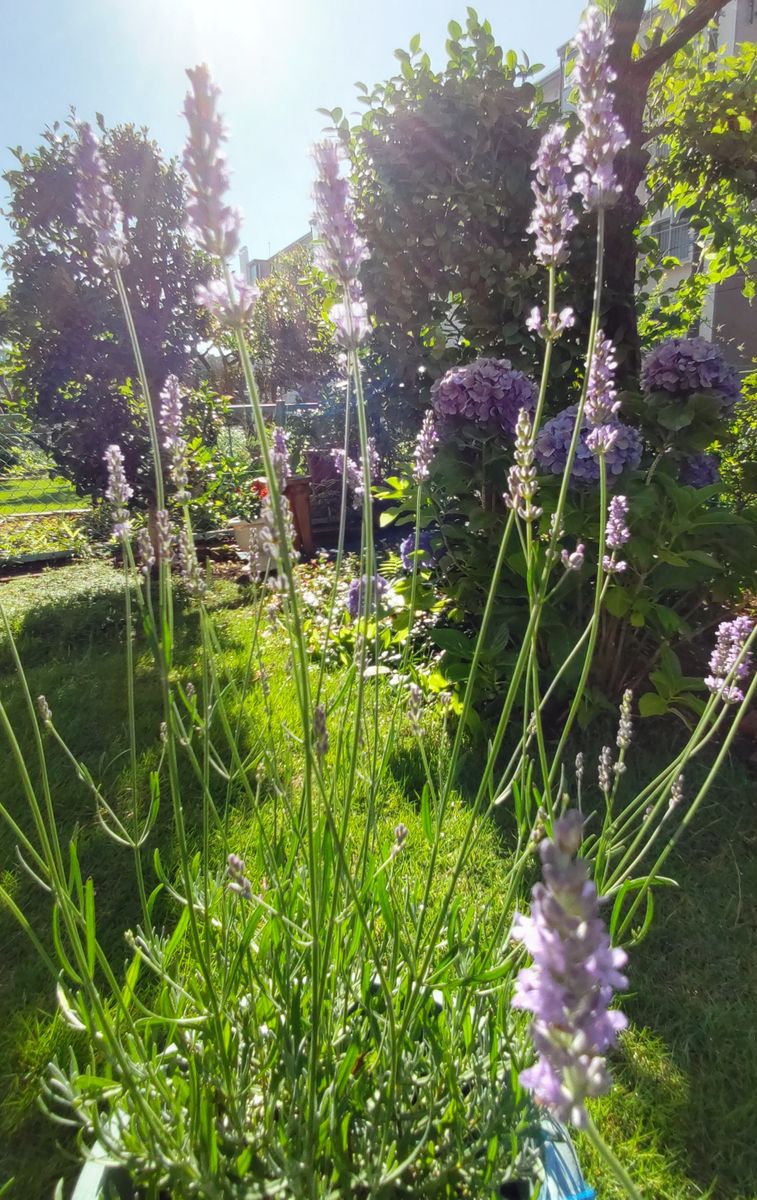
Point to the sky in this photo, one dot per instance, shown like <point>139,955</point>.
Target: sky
<point>276,62</point>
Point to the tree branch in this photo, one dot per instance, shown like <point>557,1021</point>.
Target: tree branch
<point>687,28</point>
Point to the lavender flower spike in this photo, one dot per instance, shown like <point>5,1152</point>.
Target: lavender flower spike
<point>602,136</point>
<point>553,217</point>
<point>340,250</point>
<point>214,224</point>
<point>726,669</point>
<point>617,533</point>
<point>98,207</point>
<point>118,491</point>
<point>601,402</point>
<point>425,447</point>
<point>174,443</point>
<point>570,984</point>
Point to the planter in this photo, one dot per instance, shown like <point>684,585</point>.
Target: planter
<point>98,1180</point>
<point>297,492</point>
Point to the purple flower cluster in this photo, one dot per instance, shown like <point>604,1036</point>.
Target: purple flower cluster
<point>98,207</point>
<point>118,491</point>
<point>487,391</point>
<point>214,224</point>
<point>425,551</point>
<point>601,403</point>
<point>726,671</point>
<point>700,470</point>
<point>376,586</point>
<point>686,365</point>
<point>551,327</point>
<point>617,534</point>
<point>602,135</point>
<point>425,447</point>
<point>553,218</point>
<point>570,985</point>
<point>553,443</point>
<point>230,308</point>
<point>339,250</point>
<point>174,443</point>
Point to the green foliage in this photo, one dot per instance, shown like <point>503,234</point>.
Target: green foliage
<point>290,337</point>
<point>738,449</point>
<point>702,110</point>
<point>71,361</point>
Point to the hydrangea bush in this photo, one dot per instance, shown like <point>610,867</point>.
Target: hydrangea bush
<point>306,1018</point>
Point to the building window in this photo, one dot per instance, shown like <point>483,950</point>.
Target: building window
<point>675,237</point>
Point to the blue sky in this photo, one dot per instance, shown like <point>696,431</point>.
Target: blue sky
<point>276,63</point>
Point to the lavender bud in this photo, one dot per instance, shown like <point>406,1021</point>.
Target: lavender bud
<point>415,708</point>
<point>320,733</point>
<point>239,881</point>
<point>165,536</point>
<point>400,837</point>
<point>145,552</point>
<point>521,477</point>
<point>573,561</point>
<point>676,793</point>
<point>605,769</point>
<point>554,326</point>
<point>579,768</point>
<point>569,986</point>
<point>425,447</point>
<point>214,224</point>
<point>43,708</point>
<point>625,726</point>
<point>118,491</point>
<point>601,440</point>
<point>98,207</point>
<point>189,567</point>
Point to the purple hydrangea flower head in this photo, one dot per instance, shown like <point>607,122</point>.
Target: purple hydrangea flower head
<point>553,217</point>
<point>425,447</point>
<point>601,403</point>
<point>213,222</point>
<point>425,551</point>
<point>570,984</point>
<point>339,249</point>
<point>683,366</point>
<point>98,207</point>
<point>700,470</point>
<point>376,586</point>
<point>601,136</point>
<point>726,671</point>
<point>487,391</point>
<point>553,443</point>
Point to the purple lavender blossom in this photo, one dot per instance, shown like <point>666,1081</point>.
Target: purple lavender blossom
<point>377,588</point>
<point>602,439</point>
<point>602,136</point>
<point>573,560</point>
<point>570,985</point>
<point>118,491</point>
<point>239,881</point>
<point>617,532</point>
<point>425,551</point>
<point>683,366</point>
<point>351,324</point>
<point>425,447</point>
<point>553,218</point>
<point>487,391</point>
<point>553,326</point>
<point>554,439</point>
<point>339,249</point>
<point>174,443</point>
<point>230,309</point>
<point>213,222</point>
<point>726,673</point>
<point>601,403</point>
<point>98,207</point>
<point>700,470</point>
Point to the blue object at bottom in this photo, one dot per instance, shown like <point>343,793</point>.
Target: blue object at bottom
<point>562,1174</point>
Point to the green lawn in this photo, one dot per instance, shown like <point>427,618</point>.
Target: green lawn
<point>48,494</point>
<point>684,1109</point>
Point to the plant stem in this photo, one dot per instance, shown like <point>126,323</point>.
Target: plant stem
<point>609,1159</point>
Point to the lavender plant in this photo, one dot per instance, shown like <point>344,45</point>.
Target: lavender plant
<point>301,1015</point>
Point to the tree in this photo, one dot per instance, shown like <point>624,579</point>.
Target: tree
<point>636,69</point>
<point>72,362</point>
<point>291,340</point>
<point>442,171</point>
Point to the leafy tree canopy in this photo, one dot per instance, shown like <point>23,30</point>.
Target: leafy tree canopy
<point>71,359</point>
